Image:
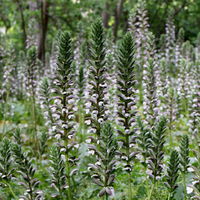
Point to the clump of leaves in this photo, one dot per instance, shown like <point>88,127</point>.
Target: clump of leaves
<point>27,171</point>
<point>184,159</point>
<point>184,154</point>
<point>143,141</point>
<point>103,170</point>
<point>156,152</point>
<point>6,168</point>
<point>58,173</point>
<point>172,174</point>
<point>17,136</point>
<point>43,143</point>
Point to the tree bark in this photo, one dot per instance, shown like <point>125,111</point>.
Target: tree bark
<point>106,15</point>
<point>43,26</point>
<point>118,12</point>
<point>23,23</point>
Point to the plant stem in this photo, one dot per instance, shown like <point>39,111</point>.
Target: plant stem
<point>169,196</point>
<point>106,196</point>
<point>184,185</point>
<point>151,191</point>
<point>11,190</point>
<point>130,186</point>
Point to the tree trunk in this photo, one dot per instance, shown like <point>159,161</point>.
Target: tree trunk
<point>106,15</point>
<point>43,25</point>
<point>118,12</point>
<point>23,23</point>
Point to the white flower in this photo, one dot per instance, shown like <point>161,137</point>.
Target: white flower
<point>190,169</point>
<point>62,150</point>
<point>64,126</point>
<point>76,146</point>
<point>98,163</point>
<point>63,158</point>
<point>88,122</point>
<point>70,136</point>
<point>57,101</point>
<point>88,140</point>
<point>189,190</point>
<point>91,152</point>
<point>124,158</point>
<point>57,136</point>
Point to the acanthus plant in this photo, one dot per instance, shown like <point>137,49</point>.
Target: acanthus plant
<point>194,188</point>
<point>194,103</point>
<point>58,170</point>
<point>20,76</point>
<point>178,46</point>
<point>149,83</point>
<point>7,91</point>
<point>105,151</point>
<point>96,105</point>
<point>6,170</point>
<point>187,51</point>
<point>172,174</point>
<point>31,79</point>
<point>63,107</point>
<point>126,115</point>
<point>45,97</point>
<point>6,166</point>
<point>111,77</point>
<point>26,170</point>
<point>81,89</point>
<point>139,25</point>
<point>170,44</point>
<point>184,85</point>
<point>81,93</point>
<point>143,141</point>
<point>156,153</point>
<point>184,161</point>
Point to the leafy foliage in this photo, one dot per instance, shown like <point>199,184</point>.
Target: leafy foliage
<point>104,168</point>
<point>27,171</point>
<point>156,151</point>
<point>172,174</point>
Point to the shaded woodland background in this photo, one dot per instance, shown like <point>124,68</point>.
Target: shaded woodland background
<point>27,22</point>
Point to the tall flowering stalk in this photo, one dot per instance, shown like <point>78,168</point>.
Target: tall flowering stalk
<point>170,44</point>
<point>126,98</point>
<point>194,104</point>
<point>63,105</point>
<point>97,102</point>
<point>183,87</point>
<point>150,101</point>
<point>139,26</point>
<point>31,82</point>
<point>126,103</point>
<point>81,92</point>
<point>111,77</point>
<point>81,85</point>
<point>46,103</point>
